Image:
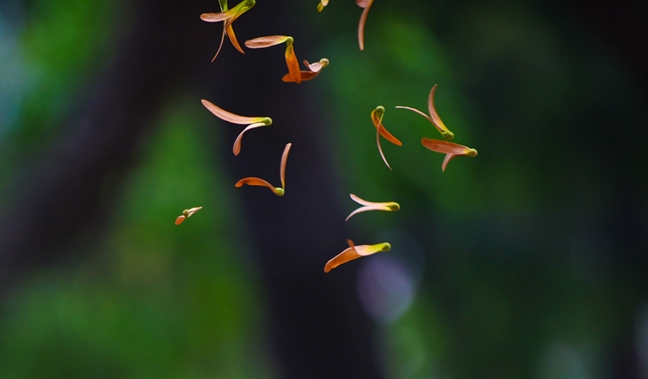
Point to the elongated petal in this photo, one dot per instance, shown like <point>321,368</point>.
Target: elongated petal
<point>266,41</point>
<point>360,201</point>
<point>233,40</point>
<point>345,256</point>
<point>436,120</point>
<point>282,168</point>
<point>386,206</point>
<point>293,64</point>
<point>451,150</point>
<point>218,17</point>
<point>354,252</point>
<point>236,149</point>
<point>447,147</point>
<point>317,66</point>
<point>251,181</point>
<point>367,209</point>
<point>417,111</point>
<point>366,4</point>
<point>180,219</point>
<point>220,45</point>
<point>231,117</point>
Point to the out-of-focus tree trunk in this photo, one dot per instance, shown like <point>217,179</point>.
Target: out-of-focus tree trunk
<point>317,326</point>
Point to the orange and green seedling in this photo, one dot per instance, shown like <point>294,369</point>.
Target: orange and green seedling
<point>313,70</point>
<point>186,214</point>
<point>294,74</point>
<point>450,149</point>
<point>228,17</point>
<point>291,58</point>
<point>389,206</point>
<point>376,117</point>
<point>252,122</point>
<point>279,191</point>
<point>433,117</point>
<point>353,252</point>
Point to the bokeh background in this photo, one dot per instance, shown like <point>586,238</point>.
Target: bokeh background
<point>529,260</point>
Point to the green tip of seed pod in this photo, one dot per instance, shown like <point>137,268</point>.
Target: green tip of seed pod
<point>379,111</point>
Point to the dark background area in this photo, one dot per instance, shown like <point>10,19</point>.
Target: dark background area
<point>528,260</point>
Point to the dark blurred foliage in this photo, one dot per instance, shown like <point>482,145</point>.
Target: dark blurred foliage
<point>529,260</point>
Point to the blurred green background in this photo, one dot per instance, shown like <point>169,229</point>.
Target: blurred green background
<point>529,260</point>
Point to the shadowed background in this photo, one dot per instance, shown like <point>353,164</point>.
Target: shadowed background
<point>527,261</point>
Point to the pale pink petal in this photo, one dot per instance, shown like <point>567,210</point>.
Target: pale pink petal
<point>218,17</point>
<point>317,66</point>
<point>231,117</point>
<point>380,147</point>
<point>446,147</point>
<point>236,149</point>
<point>360,201</point>
<point>366,4</point>
<point>282,169</point>
<point>446,160</point>
<point>363,209</point>
<point>220,45</point>
<point>266,41</point>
